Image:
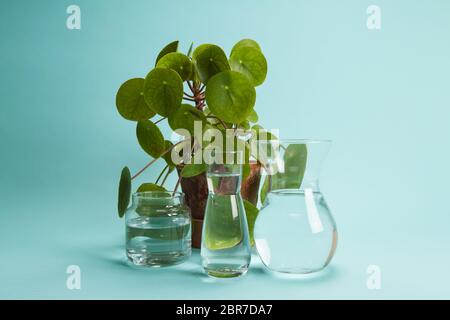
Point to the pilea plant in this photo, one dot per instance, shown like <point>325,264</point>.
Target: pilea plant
<point>202,85</point>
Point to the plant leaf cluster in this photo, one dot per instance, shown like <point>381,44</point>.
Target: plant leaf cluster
<point>205,85</point>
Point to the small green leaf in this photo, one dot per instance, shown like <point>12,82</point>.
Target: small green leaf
<point>192,170</point>
<point>251,63</point>
<point>295,157</point>
<point>124,191</point>
<point>150,138</point>
<point>146,187</point>
<point>189,53</point>
<point>245,171</point>
<point>263,134</point>
<point>177,62</point>
<point>206,111</point>
<point>264,190</point>
<point>230,96</point>
<point>209,60</point>
<point>251,212</point>
<point>253,116</point>
<point>244,125</point>
<point>246,43</point>
<point>130,101</point>
<point>221,230</point>
<point>171,47</point>
<point>184,117</point>
<point>294,163</point>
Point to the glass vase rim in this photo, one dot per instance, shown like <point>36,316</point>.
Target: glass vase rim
<point>152,194</point>
<point>224,152</point>
<point>292,191</point>
<point>300,141</point>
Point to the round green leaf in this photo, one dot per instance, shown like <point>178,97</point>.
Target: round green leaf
<point>171,47</point>
<point>209,60</point>
<point>230,96</point>
<point>177,62</point>
<point>184,117</point>
<point>130,101</point>
<point>146,187</point>
<point>251,63</point>
<point>192,170</point>
<point>295,158</point>
<point>253,116</point>
<point>163,91</point>
<point>124,191</point>
<point>294,162</point>
<point>222,230</point>
<point>246,43</point>
<point>150,138</point>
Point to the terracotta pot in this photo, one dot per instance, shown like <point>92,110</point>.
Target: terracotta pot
<point>195,190</point>
<point>250,186</point>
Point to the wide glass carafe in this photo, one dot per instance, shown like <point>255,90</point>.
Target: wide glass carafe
<point>295,231</point>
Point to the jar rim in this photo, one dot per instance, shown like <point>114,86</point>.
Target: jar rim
<point>158,194</point>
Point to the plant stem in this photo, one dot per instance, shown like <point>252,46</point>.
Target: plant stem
<point>177,185</point>
<point>165,178</point>
<point>154,160</point>
<point>144,168</point>
<point>191,87</point>
<point>189,95</point>
<point>180,176</point>
<point>160,120</point>
<point>199,105</point>
<point>197,96</point>
<point>162,172</point>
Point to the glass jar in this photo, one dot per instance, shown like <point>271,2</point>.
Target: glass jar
<point>158,229</point>
<point>294,231</point>
<point>225,247</point>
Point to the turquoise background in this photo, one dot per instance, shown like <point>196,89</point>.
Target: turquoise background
<point>381,96</point>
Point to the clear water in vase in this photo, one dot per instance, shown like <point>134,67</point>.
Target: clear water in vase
<point>225,241</point>
<point>158,229</point>
<point>295,231</point>
<point>158,241</point>
<point>309,235</point>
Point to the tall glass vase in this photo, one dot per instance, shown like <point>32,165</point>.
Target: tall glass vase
<point>295,231</point>
<point>225,247</point>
